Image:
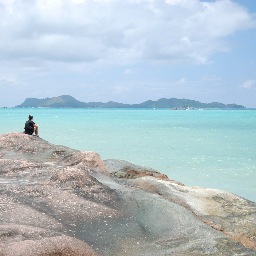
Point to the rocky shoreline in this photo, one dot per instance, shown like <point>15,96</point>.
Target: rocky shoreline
<point>60,201</point>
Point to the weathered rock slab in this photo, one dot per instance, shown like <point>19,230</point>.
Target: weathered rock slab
<point>58,201</point>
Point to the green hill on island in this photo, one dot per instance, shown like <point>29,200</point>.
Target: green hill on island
<point>67,101</point>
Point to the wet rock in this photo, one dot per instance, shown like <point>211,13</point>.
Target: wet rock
<point>59,201</point>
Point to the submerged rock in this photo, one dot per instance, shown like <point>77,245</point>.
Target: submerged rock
<point>60,201</point>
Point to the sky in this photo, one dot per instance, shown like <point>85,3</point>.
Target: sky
<point>128,51</point>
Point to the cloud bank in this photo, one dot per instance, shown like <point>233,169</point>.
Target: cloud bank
<point>115,31</point>
<point>126,50</point>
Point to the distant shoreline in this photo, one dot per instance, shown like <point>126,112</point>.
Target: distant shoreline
<point>131,108</point>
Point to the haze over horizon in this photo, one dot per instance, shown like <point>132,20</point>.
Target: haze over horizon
<point>128,51</point>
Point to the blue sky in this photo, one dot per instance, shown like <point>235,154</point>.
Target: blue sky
<point>128,51</point>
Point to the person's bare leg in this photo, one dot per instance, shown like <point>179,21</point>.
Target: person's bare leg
<point>36,130</point>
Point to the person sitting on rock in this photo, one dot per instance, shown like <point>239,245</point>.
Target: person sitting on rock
<point>31,127</point>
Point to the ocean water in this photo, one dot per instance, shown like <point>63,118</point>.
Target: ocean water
<point>207,148</point>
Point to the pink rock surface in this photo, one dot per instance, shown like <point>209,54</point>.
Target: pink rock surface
<point>58,201</point>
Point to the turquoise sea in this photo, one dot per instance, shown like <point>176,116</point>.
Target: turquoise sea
<point>207,148</point>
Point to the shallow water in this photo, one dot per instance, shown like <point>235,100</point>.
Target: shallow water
<point>208,148</point>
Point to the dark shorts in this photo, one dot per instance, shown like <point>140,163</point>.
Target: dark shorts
<point>29,132</point>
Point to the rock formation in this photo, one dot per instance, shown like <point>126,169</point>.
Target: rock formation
<point>58,201</point>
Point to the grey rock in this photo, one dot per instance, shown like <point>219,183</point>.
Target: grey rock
<point>59,201</point>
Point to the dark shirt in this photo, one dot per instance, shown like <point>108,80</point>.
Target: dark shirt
<point>29,127</point>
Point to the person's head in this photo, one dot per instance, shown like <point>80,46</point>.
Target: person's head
<point>30,117</point>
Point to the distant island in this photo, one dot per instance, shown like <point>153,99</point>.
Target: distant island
<point>67,101</point>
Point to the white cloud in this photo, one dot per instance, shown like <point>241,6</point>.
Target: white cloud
<point>249,84</point>
<point>7,81</point>
<point>128,71</point>
<point>117,31</point>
